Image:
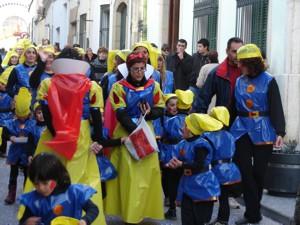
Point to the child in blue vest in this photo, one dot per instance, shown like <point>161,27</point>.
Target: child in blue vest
<point>198,187</point>
<point>54,195</point>
<point>5,112</point>
<point>225,170</point>
<point>177,107</point>
<point>20,131</point>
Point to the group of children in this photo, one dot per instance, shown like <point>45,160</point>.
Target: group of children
<point>196,154</point>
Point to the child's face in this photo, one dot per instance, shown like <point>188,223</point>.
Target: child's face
<point>2,87</point>
<point>172,106</point>
<point>39,115</point>
<point>45,188</point>
<point>186,132</point>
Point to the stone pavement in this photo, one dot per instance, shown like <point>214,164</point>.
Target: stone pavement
<point>8,213</point>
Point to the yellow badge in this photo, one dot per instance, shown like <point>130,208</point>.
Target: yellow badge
<point>58,209</point>
<point>249,103</point>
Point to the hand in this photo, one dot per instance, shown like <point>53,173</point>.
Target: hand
<point>180,55</point>
<point>43,56</point>
<point>174,163</point>
<point>82,222</point>
<point>145,108</point>
<point>96,148</point>
<point>33,221</point>
<point>123,139</point>
<point>279,142</point>
<point>13,139</point>
<point>30,160</point>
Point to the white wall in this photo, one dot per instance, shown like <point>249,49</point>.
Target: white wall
<point>186,22</point>
<point>226,25</point>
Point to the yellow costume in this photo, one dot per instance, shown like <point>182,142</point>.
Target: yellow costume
<point>83,166</point>
<point>136,193</point>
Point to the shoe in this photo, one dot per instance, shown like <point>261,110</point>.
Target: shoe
<point>171,214</point>
<point>233,203</point>
<point>11,196</point>
<point>218,222</point>
<point>243,221</point>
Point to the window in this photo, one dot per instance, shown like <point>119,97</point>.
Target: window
<point>104,26</point>
<point>122,10</point>
<point>205,22</point>
<point>251,21</point>
<point>82,31</point>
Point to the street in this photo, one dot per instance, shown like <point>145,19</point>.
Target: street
<point>8,213</point>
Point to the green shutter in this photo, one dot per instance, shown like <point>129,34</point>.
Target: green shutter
<point>207,8</point>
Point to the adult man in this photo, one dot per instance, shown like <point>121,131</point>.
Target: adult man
<point>180,64</point>
<point>221,81</point>
<point>199,59</point>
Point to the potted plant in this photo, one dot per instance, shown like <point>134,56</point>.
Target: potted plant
<point>283,172</point>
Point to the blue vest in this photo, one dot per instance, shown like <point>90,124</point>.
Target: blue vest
<point>17,151</point>
<point>251,95</point>
<point>111,80</point>
<point>5,102</point>
<point>202,186</point>
<point>136,96</point>
<point>223,144</point>
<point>38,132</point>
<point>69,203</point>
<point>171,131</point>
<point>23,74</point>
<point>168,84</point>
<point>86,107</point>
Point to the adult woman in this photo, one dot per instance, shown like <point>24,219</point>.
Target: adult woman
<point>164,77</point>
<point>136,193</point>
<point>89,55</point>
<point>68,103</point>
<point>43,69</point>
<point>259,124</point>
<point>99,65</point>
<point>19,76</point>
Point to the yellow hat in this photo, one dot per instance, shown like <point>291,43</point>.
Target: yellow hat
<point>48,49</point>
<point>199,123</point>
<point>167,97</point>
<point>80,51</point>
<point>5,75</point>
<point>185,98</point>
<point>111,60</point>
<point>153,52</point>
<point>36,105</point>
<point>63,220</point>
<point>22,58</point>
<point>248,51</point>
<point>23,102</point>
<point>8,56</point>
<point>123,54</point>
<point>220,113</point>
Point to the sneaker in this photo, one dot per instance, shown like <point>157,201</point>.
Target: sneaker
<point>243,221</point>
<point>233,203</point>
<point>217,222</point>
<point>171,214</point>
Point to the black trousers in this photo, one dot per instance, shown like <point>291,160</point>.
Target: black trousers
<point>252,161</point>
<point>224,209</point>
<point>195,213</point>
<point>13,176</point>
<point>5,138</point>
<point>170,182</point>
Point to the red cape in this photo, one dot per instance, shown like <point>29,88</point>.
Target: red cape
<point>65,100</point>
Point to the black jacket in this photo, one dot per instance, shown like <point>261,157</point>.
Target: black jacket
<point>198,61</point>
<point>181,69</point>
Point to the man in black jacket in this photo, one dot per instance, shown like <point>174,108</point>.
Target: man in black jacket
<point>200,58</point>
<point>220,81</point>
<point>180,64</point>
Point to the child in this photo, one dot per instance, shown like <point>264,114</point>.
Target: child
<point>19,131</point>
<point>54,194</point>
<point>198,187</point>
<point>224,169</point>
<point>177,107</point>
<point>5,112</point>
<point>40,126</point>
